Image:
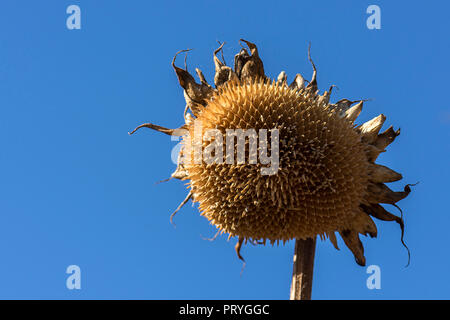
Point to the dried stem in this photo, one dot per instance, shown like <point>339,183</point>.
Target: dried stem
<point>302,275</point>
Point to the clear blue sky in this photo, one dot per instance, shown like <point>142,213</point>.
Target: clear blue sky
<point>76,189</point>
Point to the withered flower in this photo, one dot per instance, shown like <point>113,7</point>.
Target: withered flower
<point>326,179</point>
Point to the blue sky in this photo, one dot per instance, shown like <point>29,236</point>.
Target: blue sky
<point>76,189</point>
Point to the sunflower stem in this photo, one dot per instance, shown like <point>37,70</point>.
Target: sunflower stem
<point>302,275</point>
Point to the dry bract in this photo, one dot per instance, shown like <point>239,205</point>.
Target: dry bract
<point>327,180</point>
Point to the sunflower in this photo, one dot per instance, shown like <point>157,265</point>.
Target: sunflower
<point>322,177</point>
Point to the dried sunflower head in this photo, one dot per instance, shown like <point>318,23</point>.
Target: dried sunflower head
<point>270,161</point>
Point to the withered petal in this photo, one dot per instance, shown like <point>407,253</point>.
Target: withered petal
<point>298,83</point>
<point>171,132</point>
<point>380,193</point>
<point>369,130</point>
<point>353,112</point>
<point>382,174</point>
<point>386,138</point>
<point>332,237</point>
<point>363,224</point>
<point>352,241</point>
<point>253,66</point>
<point>180,206</point>
<point>194,91</point>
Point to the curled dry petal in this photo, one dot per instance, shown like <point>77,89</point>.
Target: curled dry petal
<point>180,206</point>
<point>364,224</point>
<point>282,78</point>
<point>238,248</point>
<point>353,112</point>
<point>253,66</point>
<point>344,104</point>
<point>325,98</point>
<point>382,174</point>
<point>369,130</point>
<point>380,193</point>
<point>386,138</point>
<point>352,241</point>
<point>332,237</point>
<point>195,92</point>
<point>223,72</point>
<point>312,85</point>
<point>170,132</point>
<point>377,211</point>
<point>202,77</point>
<point>298,83</point>
<point>240,60</point>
